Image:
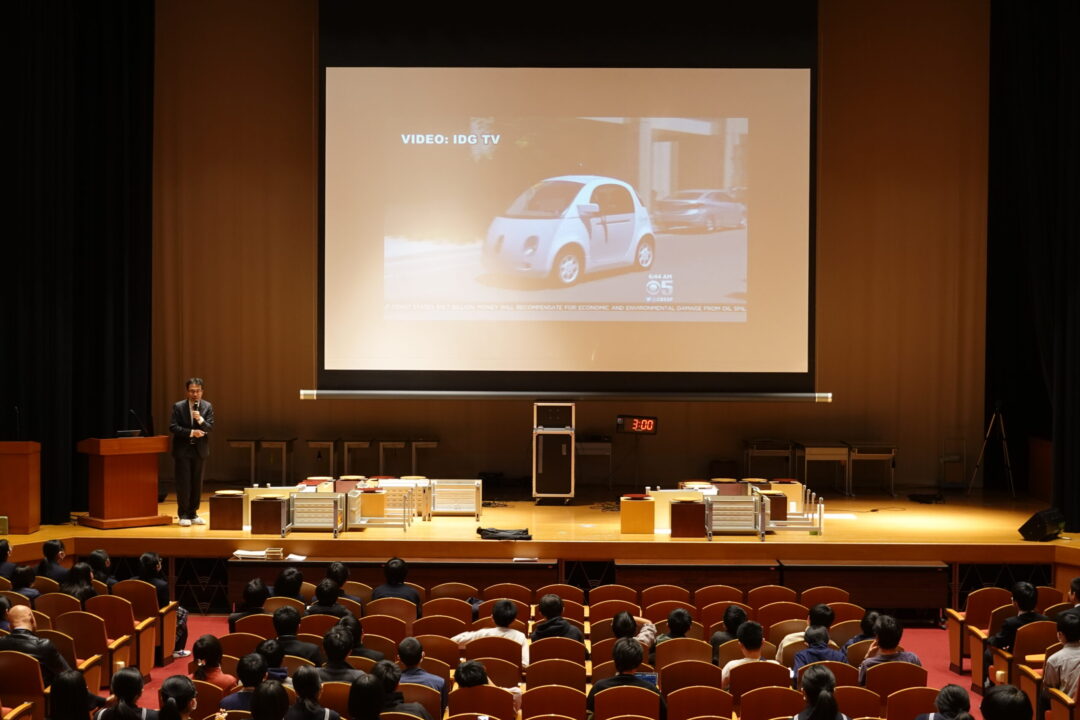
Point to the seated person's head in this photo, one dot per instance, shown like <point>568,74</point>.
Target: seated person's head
<point>251,669</point>
<point>1068,626</point>
<point>550,606</point>
<point>1025,596</point>
<point>750,637</point>
<point>5,605</point>
<point>289,582</point>
<point>866,625</point>
<point>821,614</point>
<point>68,696</point>
<point>269,701</point>
<point>366,697</point>
<point>21,617</point>
<point>327,592</point>
<point>53,550</point>
<point>395,571</point>
<point>888,632</point>
<point>352,624</point>
<point>273,652</point>
<point>286,620</point>
<point>504,612</point>
<point>1074,590</point>
<point>389,673</point>
<point>338,572</point>
<point>627,654</point>
<point>816,636</point>
<point>22,578</point>
<point>337,643</point>
<point>1005,702</point>
<point>207,651</point>
<point>470,674</point>
<point>5,550</point>
<point>734,616</point>
<point>624,625</point>
<point>679,622</point>
<point>255,594</point>
<point>149,565</point>
<point>953,702</point>
<point>308,684</point>
<point>410,652</point>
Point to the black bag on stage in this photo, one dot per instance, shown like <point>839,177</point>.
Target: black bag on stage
<point>497,534</point>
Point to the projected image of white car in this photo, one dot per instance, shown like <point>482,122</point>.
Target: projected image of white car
<point>565,227</point>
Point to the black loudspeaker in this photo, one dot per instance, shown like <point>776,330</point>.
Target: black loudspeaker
<point>1043,526</point>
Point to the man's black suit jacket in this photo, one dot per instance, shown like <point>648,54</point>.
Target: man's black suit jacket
<point>181,426</point>
<point>41,649</point>
<point>1005,637</point>
<point>299,648</point>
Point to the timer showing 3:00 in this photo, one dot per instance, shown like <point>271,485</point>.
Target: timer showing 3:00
<point>636,424</point>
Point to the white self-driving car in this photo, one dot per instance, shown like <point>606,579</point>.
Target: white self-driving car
<point>566,226</point>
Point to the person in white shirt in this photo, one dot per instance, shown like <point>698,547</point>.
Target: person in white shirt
<point>503,613</point>
<point>751,637</point>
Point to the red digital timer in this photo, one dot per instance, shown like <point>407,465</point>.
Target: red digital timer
<point>635,424</point>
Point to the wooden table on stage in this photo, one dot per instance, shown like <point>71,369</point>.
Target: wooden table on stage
<point>124,481</point>
<point>875,583</point>
<point>20,471</point>
<point>423,571</point>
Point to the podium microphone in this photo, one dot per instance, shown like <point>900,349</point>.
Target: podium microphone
<point>142,426</point>
<point>18,424</point>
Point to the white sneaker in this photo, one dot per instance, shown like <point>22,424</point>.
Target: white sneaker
<point>181,653</point>
<point>198,520</point>
<point>184,522</point>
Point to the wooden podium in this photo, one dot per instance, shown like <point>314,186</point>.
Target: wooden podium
<point>124,481</point>
<point>20,474</point>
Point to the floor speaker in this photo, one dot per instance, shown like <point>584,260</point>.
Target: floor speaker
<point>1043,526</point>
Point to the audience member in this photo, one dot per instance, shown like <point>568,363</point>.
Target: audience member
<point>207,652</point>
<point>886,646</point>
<point>286,624</point>
<point>410,653</point>
<point>70,700</point>
<point>176,698</point>
<point>337,643</point>
<point>1024,598</point>
<point>751,637</point>
<point>308,687</point>
<point>269,701</point>
<point>554,624</point>
<point>23,639</point>
<point>679,623</point>
<point>503,612</point>
<point>327,593</point>
<point>365,698</point>
<point>1005,702</point>
<point>627,655</point>
<point>395,571</point>
<point>22,580</point>
<point>289,583</point>
<point>5,605</point>
<point>952,703</point>
<point>339,573</point>
<point>250,671</point>
<point>53,554</point>
<point>734,616</point>
<point>100,564</point>
<point>274,654</point>
<point>77,583</point>
<point>255,595</point>
<point>819,685</point>
<point>626,625</point>
<point>1074,592</point>
<point>821,615</point>
<point>352,624</point>
<point>817,649</point>
<point>6,567</point>
<point>866,631</point>
<point>473,673</point>
<point>1062,669</point>
<point>393,701</point>
<point>150,571</point>
<point>127,688</point>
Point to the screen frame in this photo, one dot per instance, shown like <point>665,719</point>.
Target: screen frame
<point>772,34</point>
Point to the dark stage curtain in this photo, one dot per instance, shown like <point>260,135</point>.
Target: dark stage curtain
<point>76,324</point>
<point>1033,311</point>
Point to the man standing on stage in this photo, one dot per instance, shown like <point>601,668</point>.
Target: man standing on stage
<point>192,421</point>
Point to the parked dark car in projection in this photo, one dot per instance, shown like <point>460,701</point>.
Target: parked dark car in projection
<point>703,210</point>
<point>567,226</point>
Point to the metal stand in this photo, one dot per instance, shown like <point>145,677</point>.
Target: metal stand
<point>997,418</point>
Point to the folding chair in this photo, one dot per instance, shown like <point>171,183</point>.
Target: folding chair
<point>845,674</point>
<point>710,594</point>
<point>662,609</point>
<point>561,648</point>
<point>429,697</point>
<point>512,591</point>
<point>765,703</point>
<point>858,702</point>
<point>552,699</point>
<point>753,675</point>
<point>273,603</point>
<point>827,594</point>
<point>20,682</point>
<point>566,592</point>
<point>144,603</point>
<point>910,702</point>
<point>980,604</point>
<point>765,594</point>
<point>92,638</point>
<point>317,624</point>
<point>887,678</point>
<point>461,591</point>
<point>208,699</point>
<point>688,702</point>
<point>768,615</point>
<point>260,624</point>
<point>677,649</point>
<point>497,647</point>
<point>608,609</point>
<point>626,700</point>
<point>502,673</point>
<point>450,607</point>
<point>335,695</point>
<point>386,625</point>
<point>441,648</point>
<point>687,673</point>
<point>483,699</point>
<point>440,624</point>
<point>90,667</point>
<point>844,611</point>
<point>658,593</point>
<point>603,593</point>
<point>555,672</point>
<point>56,604</point>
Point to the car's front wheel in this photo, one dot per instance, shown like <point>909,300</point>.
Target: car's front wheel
<point>645,255</point>
<point>568,266</point>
